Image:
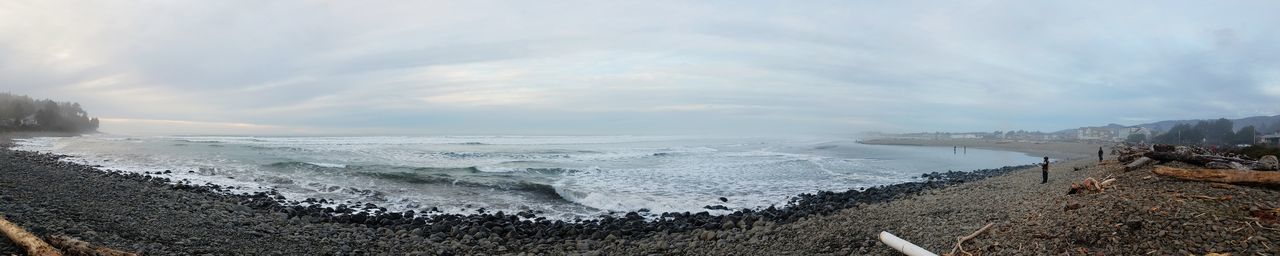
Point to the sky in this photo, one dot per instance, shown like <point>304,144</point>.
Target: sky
<point>641,67</point>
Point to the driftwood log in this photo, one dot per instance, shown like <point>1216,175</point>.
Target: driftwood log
<point>1200,160</point>
<point>76,247</point>
<point>32,243</point>
<point>1143,161</point>
<point>1185,158</point>
<point>1220,175</point>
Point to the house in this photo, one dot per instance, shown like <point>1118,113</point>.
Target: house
<point>28,121</point>
<point>1095,133</point>
<point>1124,133</point>
<point>1272,140</point>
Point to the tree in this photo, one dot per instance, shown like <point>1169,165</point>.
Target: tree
<point>1217,132</point>
<point>1183,134</point>
<point>1136,138</point>
<point>48,116</point>
<point>1245,135</point>
<point>17,113</point>
<point>6,116</point>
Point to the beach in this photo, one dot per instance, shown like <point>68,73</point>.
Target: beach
<point>1056,150</point>
<point>1142,214</point>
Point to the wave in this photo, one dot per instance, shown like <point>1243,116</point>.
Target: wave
<point>298,165</point>
<point>203,141</point>
<point>478,170</point>
<point>547,190</point>
<point>536,188</point>
<point>471,169</point>
<point>408,177</point>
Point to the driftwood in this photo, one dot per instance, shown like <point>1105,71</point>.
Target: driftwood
<point>1185,158</point>
<point>1143,161</point>
<point>32,243</point>
<point>1223,176</point>
<point>903,246</point>
<point>1201,160</point>
<point>1091,184</point>
<point>73,246</point>
<point>1106,183</point>
<point>960,241</point>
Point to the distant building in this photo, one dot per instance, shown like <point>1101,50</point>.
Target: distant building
<point>1095,133</point>
<point>964,136</point>
<point>28,121</point>
<point>1272,140</point>
<point>1123,133</point>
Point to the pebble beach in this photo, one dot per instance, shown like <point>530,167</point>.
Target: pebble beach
<point>1141,214</point>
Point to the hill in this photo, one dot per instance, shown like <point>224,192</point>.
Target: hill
<point>1264,124</point>
<point>23,113</point>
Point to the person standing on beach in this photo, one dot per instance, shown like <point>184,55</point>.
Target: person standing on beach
<point>1044,171</point>
<point>1099,154</point>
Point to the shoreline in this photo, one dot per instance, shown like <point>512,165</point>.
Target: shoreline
<point>462,231</point>
<point>1142,214</point>
<point>1057,150</point>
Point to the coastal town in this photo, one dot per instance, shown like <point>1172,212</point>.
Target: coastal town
<point>1268,136</point>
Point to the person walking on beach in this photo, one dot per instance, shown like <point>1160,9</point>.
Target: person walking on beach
<point>1044,171</point>
<point>1099,154</point>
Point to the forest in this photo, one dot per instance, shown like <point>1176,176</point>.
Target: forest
<point>1215,132</point>
<point>23,113</point>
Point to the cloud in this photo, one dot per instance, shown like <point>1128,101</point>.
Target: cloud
<point>564,67</point>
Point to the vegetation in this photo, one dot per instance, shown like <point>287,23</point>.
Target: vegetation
<point>1257,151</point>
<point>1216,132</point>
<point>1136,138</point>
<point>22,113</point>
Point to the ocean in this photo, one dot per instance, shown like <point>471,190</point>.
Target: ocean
<point>562,177</point>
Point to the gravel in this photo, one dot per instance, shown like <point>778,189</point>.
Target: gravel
<point>154,215</point>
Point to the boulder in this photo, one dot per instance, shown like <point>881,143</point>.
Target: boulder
<point>1269,163</point>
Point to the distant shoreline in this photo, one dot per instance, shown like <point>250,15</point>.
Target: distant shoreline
<point>458,233</point>
<point>1058,150</point>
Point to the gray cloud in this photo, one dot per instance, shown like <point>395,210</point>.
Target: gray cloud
<point>673,67</point>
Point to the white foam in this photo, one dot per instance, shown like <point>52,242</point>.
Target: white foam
<point>612,173</point>
<point>328,165</point>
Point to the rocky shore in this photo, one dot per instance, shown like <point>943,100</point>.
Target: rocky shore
<point>114,208</point>
<point>154,215</point>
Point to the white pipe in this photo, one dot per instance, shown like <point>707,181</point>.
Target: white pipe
<point>903,246</point>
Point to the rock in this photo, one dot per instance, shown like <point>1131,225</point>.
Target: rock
<point>1269,163</point>
<point>707,235</point>
<point>1133,224</point>
<point>437,237</point>
<point>1218,165</point>
<point>722,199</point>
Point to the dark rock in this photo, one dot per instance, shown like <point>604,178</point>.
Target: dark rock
<point>716,207</point>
